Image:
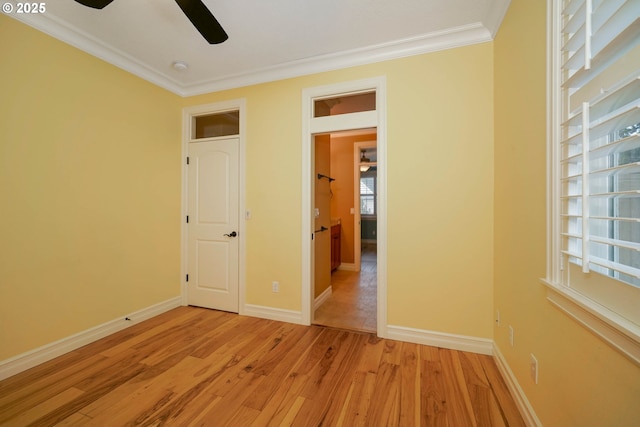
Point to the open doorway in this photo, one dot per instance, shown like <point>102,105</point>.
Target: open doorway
<point>325,110</point>
<point>345,256</point>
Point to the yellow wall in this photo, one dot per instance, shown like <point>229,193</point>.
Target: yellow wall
<point>89,191</point>
<point>582,380</point>
<point>440,177</point>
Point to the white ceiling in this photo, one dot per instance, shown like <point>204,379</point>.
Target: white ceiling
<point>268,40</point>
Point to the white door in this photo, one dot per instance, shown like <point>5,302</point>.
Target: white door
<point>213,248</point>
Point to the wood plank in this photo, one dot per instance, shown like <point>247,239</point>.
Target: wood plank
<point>35,390</point>
<point>358,399</point>
<point>285,403</point>
<point>433,403</point>
<point>501,392</point>
<point>460,412</point>
<point>27,417</point>
<point>385,395</point>
<point>339,357</point>
<point>410,385</point>
<point>279,364</point>
<point>292,413</point>
<point>480,393</point>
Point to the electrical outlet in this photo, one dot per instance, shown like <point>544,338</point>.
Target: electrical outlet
<point>497,317</point>
<point>511,335</point>
<point>533,368</point>
<point>275,287</point>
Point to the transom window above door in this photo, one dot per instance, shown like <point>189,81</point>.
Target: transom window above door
<point>344,104</point>
<point>217,124</point>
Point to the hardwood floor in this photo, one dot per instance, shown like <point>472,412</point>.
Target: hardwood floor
<point>200,367</point>
<point>353,301</point>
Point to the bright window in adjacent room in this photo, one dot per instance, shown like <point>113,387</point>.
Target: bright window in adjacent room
<point>368,195</point>
<point>595,157</point>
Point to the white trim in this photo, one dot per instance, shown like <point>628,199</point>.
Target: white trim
<point>440,339</point>
<point>24,361</point>
<point>495,16</point>
<point>271,313</point>
<point>425,43</point>
<point>381,231</point>
<point>320,299</point>
<point>619,332</point>
<point>523,404</point>
<point>553,135</point>
<point>376,119</point>
<point>348,266</point>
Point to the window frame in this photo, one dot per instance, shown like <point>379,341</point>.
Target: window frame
<point>619,332</point>
<point>374,195</point>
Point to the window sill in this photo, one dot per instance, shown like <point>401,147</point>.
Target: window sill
<point>619,332</point>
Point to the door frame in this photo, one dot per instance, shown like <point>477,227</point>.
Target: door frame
<point>188,114</point>
<point>312,126</point>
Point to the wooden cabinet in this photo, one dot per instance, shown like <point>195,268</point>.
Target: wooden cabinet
<point>335,246</point>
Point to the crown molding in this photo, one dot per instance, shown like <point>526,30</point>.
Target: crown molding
<point>426,43</point>
<point>497,12</point>
<point>431,42</point>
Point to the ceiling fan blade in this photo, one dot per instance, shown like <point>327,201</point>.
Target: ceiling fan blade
<point>96,4</point>
<point>203,20</point>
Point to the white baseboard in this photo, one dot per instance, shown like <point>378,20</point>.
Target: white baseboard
<point>529,415</point>
<point>348,266</point>
<point>271,313</point>
<point>24,361</point>
<point>322,298</point>
<point>439,339</point>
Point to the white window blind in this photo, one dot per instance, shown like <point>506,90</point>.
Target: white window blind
<point>600,142</point>
<point>368,195</point>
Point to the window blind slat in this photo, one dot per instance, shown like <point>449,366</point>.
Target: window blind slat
<point>573,120</point>
<point>616,170</point>
<point>575,61</point>
<point>618,32</point>
<point>574,139</point>
<point>603,12</point>
<point>575,20</point>
<point>616,243</point>
<point>572,6</point>
<point>575,158</point>
<point>576,41</point>
<point>625,144</point>
<point>608,218</point>
<point>618,95</point>
<point>621,118</point>
<point>618,194</point>
<point>621,268</point>
<point>605,52</point>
